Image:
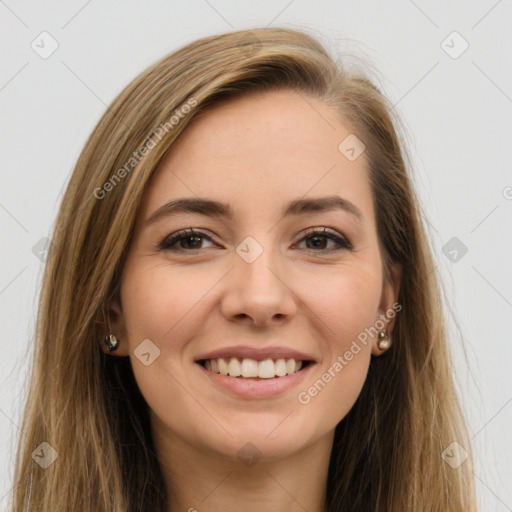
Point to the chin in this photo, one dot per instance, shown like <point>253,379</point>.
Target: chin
<point>263,436</point>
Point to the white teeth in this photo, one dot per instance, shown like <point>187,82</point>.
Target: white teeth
<point>267,369</point>
<point>223,366</point>
<point>281,367</point>
<point>234,367</point>
<point>249,368</point>
<point>290,366</point>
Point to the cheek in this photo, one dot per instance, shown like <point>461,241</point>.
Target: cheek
<point>344,305</point>
<point>344,300</point>
<point>160,299</point>
<point>162,304</point>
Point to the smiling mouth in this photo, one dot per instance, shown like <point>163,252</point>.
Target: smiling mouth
<point>251,369</point>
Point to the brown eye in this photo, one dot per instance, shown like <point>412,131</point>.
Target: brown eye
<point>187,240</point>
<point>318,241</point>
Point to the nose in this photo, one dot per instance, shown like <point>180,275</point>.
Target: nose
<point>259,291</point>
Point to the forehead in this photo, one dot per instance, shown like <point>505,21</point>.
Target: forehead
<point>259,151</point>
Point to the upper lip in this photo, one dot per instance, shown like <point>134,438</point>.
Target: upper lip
<point>258,354</point>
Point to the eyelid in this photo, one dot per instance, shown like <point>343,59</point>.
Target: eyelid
<point>332,234</point>
<point>181,234</point>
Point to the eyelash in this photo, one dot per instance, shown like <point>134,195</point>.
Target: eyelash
<point>173,239</point>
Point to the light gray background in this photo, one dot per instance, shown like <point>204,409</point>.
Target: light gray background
<point>457,112</point>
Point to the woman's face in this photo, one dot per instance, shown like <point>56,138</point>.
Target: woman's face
<point>261,288</point>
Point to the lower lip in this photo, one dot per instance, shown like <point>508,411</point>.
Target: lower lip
<point>261,388</point>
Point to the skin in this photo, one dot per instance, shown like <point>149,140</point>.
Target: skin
<point>257,153</point>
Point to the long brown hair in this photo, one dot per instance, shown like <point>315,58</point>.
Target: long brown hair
<point>387,452</point>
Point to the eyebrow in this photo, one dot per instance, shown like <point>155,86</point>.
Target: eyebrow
<point>217,209</point>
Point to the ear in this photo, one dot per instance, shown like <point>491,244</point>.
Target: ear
<point>117,328</point>
<point>388,304</point>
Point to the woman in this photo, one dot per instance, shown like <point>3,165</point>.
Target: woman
<point>241,238</point>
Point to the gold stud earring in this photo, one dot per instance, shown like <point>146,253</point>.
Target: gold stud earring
<point>111,342</point>
<point>384,341</point>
